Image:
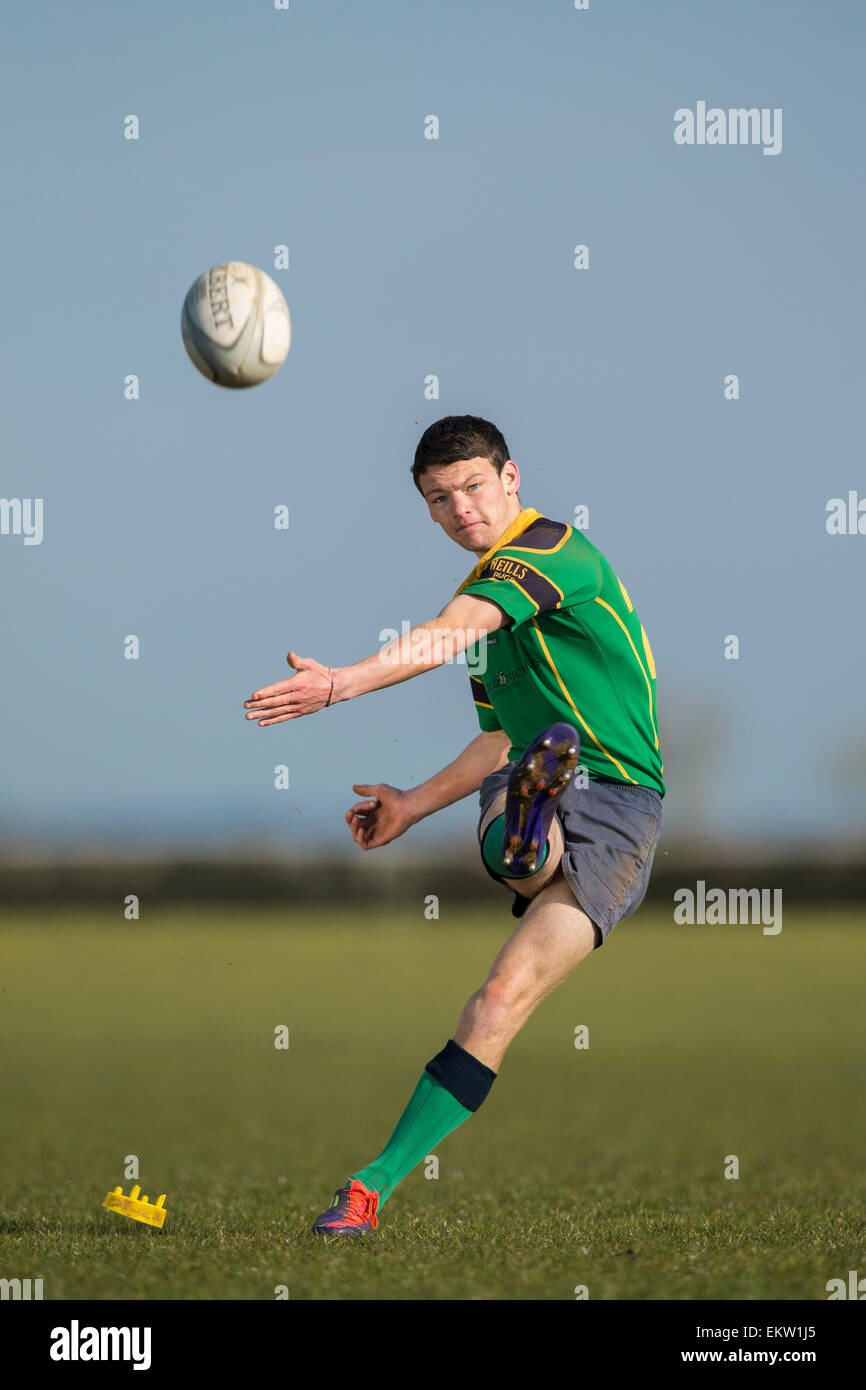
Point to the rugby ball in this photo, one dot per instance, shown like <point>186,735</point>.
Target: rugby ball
<point>235,325</point>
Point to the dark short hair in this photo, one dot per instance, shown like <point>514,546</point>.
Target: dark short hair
<point>457,437</point>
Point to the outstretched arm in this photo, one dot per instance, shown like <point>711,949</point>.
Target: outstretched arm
<point>388,812</point>
<point>461,623</point>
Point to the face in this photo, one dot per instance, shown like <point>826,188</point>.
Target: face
<point>471,501</point>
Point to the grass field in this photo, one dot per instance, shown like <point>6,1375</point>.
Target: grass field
<point>601,1167</point>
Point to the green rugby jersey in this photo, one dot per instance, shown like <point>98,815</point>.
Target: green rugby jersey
<point>575,651</point>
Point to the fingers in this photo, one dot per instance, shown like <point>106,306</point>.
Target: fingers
<point>284,701</point>
<point>279,714</point>
<point>279,688</point>
<point>362,833</point>
<point>273,716</point>
<point>291,700</point>
<point>273,704</point>
<point>360,819</point>
<point>364,825</point>
<point>362,812</point>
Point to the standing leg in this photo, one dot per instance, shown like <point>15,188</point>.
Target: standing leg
<point>553,936</point>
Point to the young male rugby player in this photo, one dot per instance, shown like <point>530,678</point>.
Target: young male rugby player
<point>568,668</point>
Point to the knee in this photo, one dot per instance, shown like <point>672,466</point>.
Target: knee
<point>500,998</point>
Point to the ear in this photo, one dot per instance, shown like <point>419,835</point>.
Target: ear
<point>512,476</point>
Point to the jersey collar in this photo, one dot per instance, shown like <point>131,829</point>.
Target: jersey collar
<point>517,527</point>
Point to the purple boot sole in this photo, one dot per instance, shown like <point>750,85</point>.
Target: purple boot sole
<point>535,789</point>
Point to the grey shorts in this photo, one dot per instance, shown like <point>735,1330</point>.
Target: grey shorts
<point>610,831</point>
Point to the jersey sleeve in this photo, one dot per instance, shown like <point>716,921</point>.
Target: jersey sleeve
<point>483,708</point>
<point>544,569</point>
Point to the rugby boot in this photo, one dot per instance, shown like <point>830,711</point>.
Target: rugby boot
<point>352,1211</point>
<point>535,789</point>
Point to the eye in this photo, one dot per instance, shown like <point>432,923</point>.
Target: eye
<point>472,485</point>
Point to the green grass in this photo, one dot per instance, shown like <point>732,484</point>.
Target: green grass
<point>601,1167</point>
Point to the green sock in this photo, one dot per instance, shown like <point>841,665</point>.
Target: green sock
<point>432,1113</point>
<point>491,849</point>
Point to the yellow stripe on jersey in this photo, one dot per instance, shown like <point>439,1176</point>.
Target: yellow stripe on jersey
<point>628,603</point>
<point>479,693</point>
<point>532,579</point>
<point>512,583</point>
<point>579,716</point>
<point>535,550</point>
<point>637,659</point>
<point>535,605</point>
<point>646,646</point>
<point>543,577</point>
<point>518,525</point>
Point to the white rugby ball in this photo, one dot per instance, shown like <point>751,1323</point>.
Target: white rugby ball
<point>235,325</point>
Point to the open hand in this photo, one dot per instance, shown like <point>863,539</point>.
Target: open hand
<point>304,693</point>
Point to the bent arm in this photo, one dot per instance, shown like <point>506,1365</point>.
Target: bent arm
<point>479,758</point>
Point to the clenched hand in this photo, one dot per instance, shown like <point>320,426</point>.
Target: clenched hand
<point>380,818</point>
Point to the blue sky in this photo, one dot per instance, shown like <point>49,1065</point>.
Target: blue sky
<point>412,257</point>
